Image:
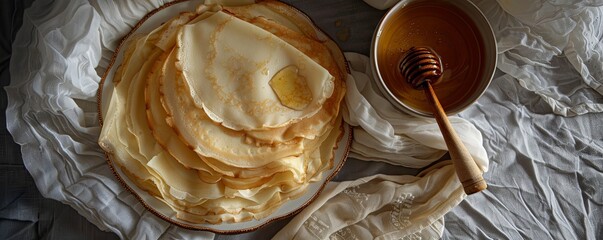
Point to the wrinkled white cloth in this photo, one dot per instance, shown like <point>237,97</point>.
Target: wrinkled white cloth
<point>540,38</point>
<point>380,207</point>
<point>543,162</point>
<point>546,173</point>
<point>67,45</point>
<point>552,48</point>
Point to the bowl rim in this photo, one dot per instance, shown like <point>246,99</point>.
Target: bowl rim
<point>490,48</point>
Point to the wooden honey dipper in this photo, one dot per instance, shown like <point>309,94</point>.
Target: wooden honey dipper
<point>422,67</point>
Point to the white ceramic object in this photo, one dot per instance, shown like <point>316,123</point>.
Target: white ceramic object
<point>488,63</point>
<point>162,210</point>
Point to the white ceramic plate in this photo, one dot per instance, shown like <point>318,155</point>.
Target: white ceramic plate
<point>162,210</point>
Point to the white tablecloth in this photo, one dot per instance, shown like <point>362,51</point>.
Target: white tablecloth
<point>545,173</point>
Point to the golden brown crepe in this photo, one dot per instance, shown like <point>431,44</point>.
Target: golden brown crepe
<point>215,128</point>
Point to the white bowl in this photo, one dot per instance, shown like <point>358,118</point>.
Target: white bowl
<point>454,93</point>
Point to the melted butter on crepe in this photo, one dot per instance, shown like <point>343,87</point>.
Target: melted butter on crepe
<point>315,49</point>
<point>291,88</point>
<point>230,80</point>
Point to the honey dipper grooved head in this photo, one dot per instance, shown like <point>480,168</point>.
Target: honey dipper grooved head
<point>419,65</point>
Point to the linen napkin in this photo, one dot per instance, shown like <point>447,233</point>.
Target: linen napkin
<point>380,207</point>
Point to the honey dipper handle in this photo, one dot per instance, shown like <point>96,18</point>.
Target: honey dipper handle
<point>466,169</point>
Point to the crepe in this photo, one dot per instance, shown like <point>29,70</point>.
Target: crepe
<point>230,80</point>
<point>212,160</point>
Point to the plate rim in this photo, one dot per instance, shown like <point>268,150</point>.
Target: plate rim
<point>345,138</point>
<point>346,128</point>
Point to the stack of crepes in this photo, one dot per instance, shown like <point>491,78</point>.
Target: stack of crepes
<point>225,113</point>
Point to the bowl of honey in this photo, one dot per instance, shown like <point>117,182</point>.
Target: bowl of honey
<point>457,31</point>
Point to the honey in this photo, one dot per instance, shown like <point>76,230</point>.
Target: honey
<point>291,88</point>
<point>451,34</point>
